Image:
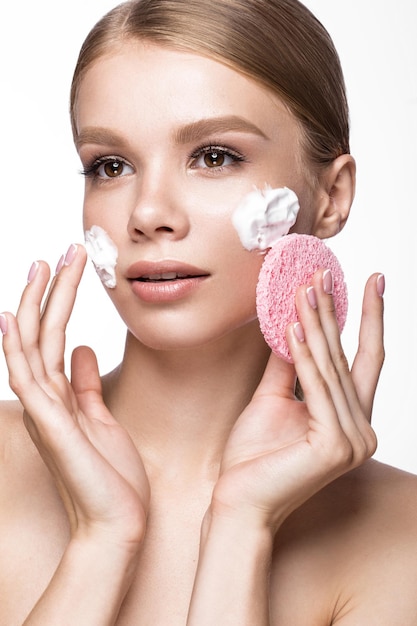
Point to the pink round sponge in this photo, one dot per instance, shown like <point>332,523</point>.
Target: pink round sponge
<point>288,264</point>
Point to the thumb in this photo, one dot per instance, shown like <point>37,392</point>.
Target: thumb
<point>278,379</point>
<point>86,383</point>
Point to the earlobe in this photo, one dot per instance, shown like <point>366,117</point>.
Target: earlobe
<point>335,196</point>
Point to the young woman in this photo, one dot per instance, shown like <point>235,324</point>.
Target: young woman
<point>190,485</point>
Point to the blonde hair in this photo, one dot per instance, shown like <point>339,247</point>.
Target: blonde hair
<point>276,42</point>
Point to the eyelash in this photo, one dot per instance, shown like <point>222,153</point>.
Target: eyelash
<point>91,169</point>
<point>236,156</point>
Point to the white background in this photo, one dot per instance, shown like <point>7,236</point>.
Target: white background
<point>41,190</point>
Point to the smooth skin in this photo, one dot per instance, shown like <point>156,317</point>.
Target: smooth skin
<point>189,486</point>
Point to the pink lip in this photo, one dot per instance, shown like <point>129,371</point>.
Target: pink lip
<point>146,268</point>
<point>159,291</point>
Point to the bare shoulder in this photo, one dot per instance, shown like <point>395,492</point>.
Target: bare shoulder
<point>13,435</point>
<point>23,475</point>
<point>352,552</point>
<point>16,447</point>
<point>9,409</point>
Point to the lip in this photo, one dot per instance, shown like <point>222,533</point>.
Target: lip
<point>148,283</point>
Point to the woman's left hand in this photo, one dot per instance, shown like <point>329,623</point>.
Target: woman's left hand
<point>282,450</point>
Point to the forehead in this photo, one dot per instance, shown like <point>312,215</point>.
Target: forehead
<point>158,85</point>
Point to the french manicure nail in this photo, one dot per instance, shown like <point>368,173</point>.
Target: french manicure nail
<point>380,285</point>
<point>32,271</point>
<point>71,254</point>
<point>3,323</point>
<point>60,264</point>
<point>298,331</point>
<point>311,297</point>
<point>328,282</point>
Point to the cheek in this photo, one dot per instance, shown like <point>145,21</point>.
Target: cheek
<point>107,205</point>
<point>221,238</point>
<point>91,214</point>
<point>306,218</point>
<point>241,271</point>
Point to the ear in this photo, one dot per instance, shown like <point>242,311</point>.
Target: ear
<point>335,196</point>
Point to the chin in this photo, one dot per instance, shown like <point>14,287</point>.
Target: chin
<point>199,337</point>
<point>170,341</point>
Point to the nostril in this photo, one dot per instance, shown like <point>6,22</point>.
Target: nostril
<point>165,229</point>
<point>160,229</point>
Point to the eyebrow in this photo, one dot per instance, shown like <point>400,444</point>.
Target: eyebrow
<point>188,133</point>
<point>210,126</point>
<point>99,135</point>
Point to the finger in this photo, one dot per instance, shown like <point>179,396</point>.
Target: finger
<point>278,379</point>
<point>370,355</point>
<point>86,383</point>
<point>315,389</point>
<point>58,310</point>
<point>51,286</point>
<point>28,315</point>
<point>340,438</point>
<point>322,284</point>
<point>21,378</point>
<point>316,310</point>
<point>38,405</point>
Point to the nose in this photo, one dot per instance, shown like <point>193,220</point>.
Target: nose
<point>158,210</point>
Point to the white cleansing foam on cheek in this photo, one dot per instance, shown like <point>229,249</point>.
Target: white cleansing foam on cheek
<point>264,216</point>
<point>103,252</point>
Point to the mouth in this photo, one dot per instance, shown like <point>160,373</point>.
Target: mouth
<point>163,271</point>
<point>166,277</point>
<point>164,282</point>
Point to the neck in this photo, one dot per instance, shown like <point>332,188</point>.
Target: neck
<point>179,406</point>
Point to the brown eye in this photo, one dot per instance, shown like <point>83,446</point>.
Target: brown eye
<point>112,169</point>
<point>214,159</point>
<point>107,167</point>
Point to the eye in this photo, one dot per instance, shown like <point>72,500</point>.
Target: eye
<point>215,157</point>
<point>111,169</point>
<point>108,167</point>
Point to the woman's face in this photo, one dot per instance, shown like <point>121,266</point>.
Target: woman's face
<point>170,143</point>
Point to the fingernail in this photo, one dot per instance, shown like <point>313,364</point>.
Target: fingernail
<point>311,297</point>
<point>71,254</point>
<point>3,323</point>
<point>380,285</point>
<point>60,265</point>
<point>32,271</point>
<point>328,282</point>
<point>298,331</point>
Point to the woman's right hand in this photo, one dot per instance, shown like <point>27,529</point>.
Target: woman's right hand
<point>94,462</point>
